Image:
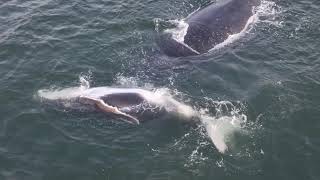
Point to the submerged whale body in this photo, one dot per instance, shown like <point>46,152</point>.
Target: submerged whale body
<point>209,26</point>
<point>137,104</point>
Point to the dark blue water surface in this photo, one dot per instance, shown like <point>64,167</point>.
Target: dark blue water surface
<point>272,74</point>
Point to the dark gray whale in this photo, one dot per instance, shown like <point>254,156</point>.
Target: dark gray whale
<point>209,27</point>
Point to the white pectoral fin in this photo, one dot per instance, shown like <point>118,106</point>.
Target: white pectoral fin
<point>130,119</point>
<point>110,109</point>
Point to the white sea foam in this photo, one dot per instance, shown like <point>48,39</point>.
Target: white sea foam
<point>222,124</point>
<point>55,94</point>
<point>234,37</point>
<point>265,12</point>
<point>179,32</point>
<point>66,93</point>
<point>268,12</point>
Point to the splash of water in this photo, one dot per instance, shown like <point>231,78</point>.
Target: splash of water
<point>234,37</point>
<point>219,125</point>
<point>265,12</point>
<point>66,93</point>
<point>179,32</point>
<point>219,129</point>
<point>225,121</point>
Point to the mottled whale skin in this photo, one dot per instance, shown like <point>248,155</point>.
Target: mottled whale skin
<point>210,26</point>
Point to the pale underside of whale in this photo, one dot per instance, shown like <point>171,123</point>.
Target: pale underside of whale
<point>130,102</point>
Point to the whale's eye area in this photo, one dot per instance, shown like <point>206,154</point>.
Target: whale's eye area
<point>123,99</point>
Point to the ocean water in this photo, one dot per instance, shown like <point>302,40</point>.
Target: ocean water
<point>258,93</point>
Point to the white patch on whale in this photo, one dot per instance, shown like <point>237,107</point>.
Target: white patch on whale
<point>234,37</point>
<point>160,96</point>
<point>179,32</point>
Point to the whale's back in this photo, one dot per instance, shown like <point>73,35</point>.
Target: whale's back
<point>211,26</point>
<point>123,99</point>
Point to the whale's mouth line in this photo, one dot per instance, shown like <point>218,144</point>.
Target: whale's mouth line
<point>187,46</point>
